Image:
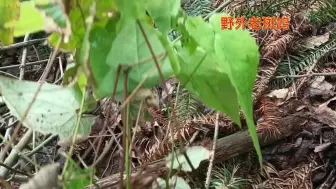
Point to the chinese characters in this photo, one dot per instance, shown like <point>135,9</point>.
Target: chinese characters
<point>255,23</point>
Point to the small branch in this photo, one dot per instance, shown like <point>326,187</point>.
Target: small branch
<point>291,72</point>
<point>14,170</point>
<point>40,146</point>
<point>27,64</point>
<point>15,151</point>
<point>212,155</point>
<point>105,152</point>
<point>24,56</point>
<point>22,44</point>
<point>154,57</point>
<point>18,178</point>
<point>307,75</point>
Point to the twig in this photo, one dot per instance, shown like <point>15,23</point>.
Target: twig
<point>45,142</point>
<point>105,151</point>
<point>169,97</point>
<point>8,74</point>
<point>212,154</point>
<point>14,153</point>
<point>22,44</point>
<point>27,64</point>
<point>60,71</point>
<point>307,75</point>
<point>291,71</point>
<point>24,56</point>
<point>14,170</point>
<point>18,178</point>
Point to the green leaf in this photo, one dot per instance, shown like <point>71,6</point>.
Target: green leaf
<point>238,57</point>
<point>31,20</point>
<point>101,40</point>
<point>186,38</point>
<point>196,154</point>
<point>205,77</point>
<point>131,10</point>
<point>129,48</point>
<point>201,32</point>
<point>239,51</point>
<point>105,7</point>
<point>10,10</point>
<point>162,12</point>
<point>55,109</point>
<point>77,178</point>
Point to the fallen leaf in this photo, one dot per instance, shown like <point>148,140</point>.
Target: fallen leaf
<point>325,114</point>
<point>316,41</point>
<point>196,154</point>
<point>320,87</point>
<point>322,147</point>
<point>280,93</point>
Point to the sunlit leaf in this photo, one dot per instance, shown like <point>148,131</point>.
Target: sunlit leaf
<point>196,154</point>
<point>204,76</point>
<point>128,49</point>
<point>236,54</point>
<point>201,33</point>
<point>31,20</point>
<point>10,10</point>
<point>240,53</point>
<point>162,11</point>
<point>55,109</point>
<point>131,10</point>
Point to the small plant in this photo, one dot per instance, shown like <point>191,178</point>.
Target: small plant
<point>225,178</point>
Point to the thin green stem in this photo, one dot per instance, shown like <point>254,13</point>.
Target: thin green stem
<point>75,133</point>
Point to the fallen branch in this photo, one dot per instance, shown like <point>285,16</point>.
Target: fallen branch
<point>228,147</point>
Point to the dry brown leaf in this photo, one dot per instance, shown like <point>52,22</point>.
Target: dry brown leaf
<point>325,114</point>
<point>316,41</point>
<point>280,93</point>
<point>320,87</point>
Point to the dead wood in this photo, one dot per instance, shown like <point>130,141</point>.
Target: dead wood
<point>228,147</point>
